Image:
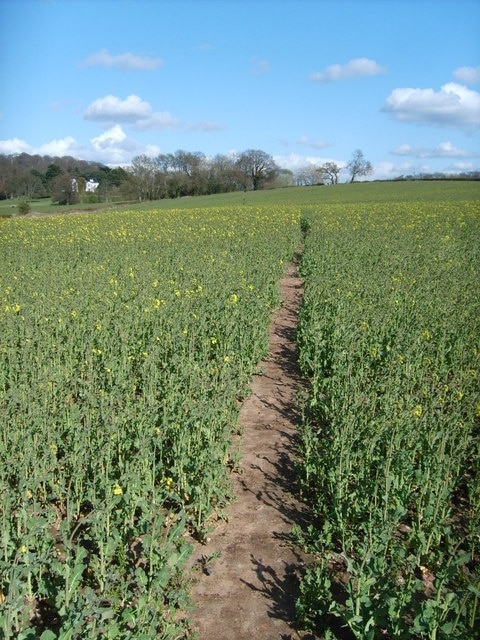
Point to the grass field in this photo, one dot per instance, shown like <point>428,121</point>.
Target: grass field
<point>128,338</point>
<point>300,196</point>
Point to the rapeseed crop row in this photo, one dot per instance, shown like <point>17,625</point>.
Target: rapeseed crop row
<point>127,340</point>
<point>389,339</point>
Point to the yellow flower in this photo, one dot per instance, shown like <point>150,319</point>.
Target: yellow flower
<point>234,298</point>
<point>226,358</point>
<point>417,412</point>
<point>23,548</point>
<point>117,489</point>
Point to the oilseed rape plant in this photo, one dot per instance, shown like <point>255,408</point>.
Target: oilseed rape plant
<point>128,338</point>
<point>389,340</point>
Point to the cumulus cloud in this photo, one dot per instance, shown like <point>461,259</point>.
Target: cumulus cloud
<point>113,109</point>
<point>442,150</point>
<point>139,114</point>
<point>353,69</point>
<point>14,145</point>
<point>124,61</point>
<point>469,75</point>
<point>114,147</point>
<point>62,147</point>
<point>453,106</point>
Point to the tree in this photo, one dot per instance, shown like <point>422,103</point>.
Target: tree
<point>358,166</point>
<point>330,171</point>
<point>65,189</point>
<point>256,167</point>
<point>308,175</point>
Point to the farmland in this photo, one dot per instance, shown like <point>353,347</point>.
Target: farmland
<point>127,341</point>
<point>389,339</point>
<point>129,338</point>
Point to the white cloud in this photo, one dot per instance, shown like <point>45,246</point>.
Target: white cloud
<point>295,161</point>
<point>453,106</point>
<point>470,75</point>
<point>390,170</point>
<point>159,120</point>
<point>115,135</point>
<point>14,145</point>
<point>124,61</point>
<point>113,109</point>
<point>315,144</point>
<point>355,68</point>
<point>114,147</point>
<point>442,150</point>
<point>62,147</point>
<point>137,112</point>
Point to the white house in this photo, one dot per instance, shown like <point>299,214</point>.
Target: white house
<point>91,186</point>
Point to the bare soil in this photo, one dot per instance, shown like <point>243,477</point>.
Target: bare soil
<point>246,575</point>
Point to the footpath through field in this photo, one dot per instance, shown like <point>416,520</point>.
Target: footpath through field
<point>246,575</point>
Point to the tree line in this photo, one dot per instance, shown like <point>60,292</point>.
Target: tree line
<point>183,173</point>
<point>168,175</point>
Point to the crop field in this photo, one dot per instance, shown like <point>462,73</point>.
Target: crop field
<point>389,338</point>
<point>128,340</point>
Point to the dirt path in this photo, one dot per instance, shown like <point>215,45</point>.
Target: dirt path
<point>248,587</point>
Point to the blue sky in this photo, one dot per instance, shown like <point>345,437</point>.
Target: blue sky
<point>307,81</point>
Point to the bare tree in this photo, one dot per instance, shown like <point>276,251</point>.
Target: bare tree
<point>308,175</point>
<point>256,167</point>
<point>330,171</point>
<point>358,166</point>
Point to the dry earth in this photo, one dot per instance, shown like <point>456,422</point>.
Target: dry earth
<point>245,577</point>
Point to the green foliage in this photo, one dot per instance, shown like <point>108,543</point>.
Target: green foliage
<point>389,339</point>
<point>24,207</point>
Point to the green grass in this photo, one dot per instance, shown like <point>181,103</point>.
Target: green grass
<point>408,191</point>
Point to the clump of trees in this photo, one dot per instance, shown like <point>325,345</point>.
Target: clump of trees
<point>186,173</point>
<point>329,172</point>
<point>63,179</point>
<point>312,174</point>
<point>171,175</point>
